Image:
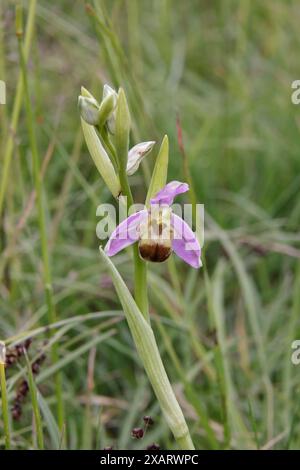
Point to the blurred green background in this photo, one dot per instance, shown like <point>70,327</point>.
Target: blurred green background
<point>224,68</point>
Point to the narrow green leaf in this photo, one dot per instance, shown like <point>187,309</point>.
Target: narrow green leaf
<point>35,406</point>
<point>160,172</point>
<point>149,354</point>
<point>50,422</point>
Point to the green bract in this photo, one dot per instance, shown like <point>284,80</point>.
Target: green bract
<point>101,159</point>
<point>122,129</point>
<point>160,172</point>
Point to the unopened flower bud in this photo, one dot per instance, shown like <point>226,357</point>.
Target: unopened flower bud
<point>148,420</point>
<point>110,93</point>
<point>106,109</point>
<point>89,110</point>
<point>136,154</point>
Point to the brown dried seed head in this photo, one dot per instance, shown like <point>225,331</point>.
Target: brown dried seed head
<point>41,359</point>
<point>153,447</point>
<point>35,368</point>
<point>148,420</point>
<point>27,343</point>
<point>16,411</point>
<point>22,389</point>
<point>11,358</point>
<point>19,350</point>
<point>137,433</point>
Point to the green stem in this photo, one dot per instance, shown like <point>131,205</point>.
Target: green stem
<point>140,267</point>
<point>140,283</point>
<point>4,406</point>
<point>42,225</point>
<point>109,147</point>
<point>3,110</point>
<point>16,108</point>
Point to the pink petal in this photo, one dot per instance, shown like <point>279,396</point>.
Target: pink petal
<point>126,233</point>
<point>168,193</point>
<point>185,243</point>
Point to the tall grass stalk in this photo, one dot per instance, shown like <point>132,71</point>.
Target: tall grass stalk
<point>3,111</point>
<point>9,146</point>
<point>287,373</point>
<point>41,211</point>
<point>4,400</point>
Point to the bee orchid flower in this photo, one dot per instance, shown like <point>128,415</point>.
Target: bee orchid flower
<point>158,230</point>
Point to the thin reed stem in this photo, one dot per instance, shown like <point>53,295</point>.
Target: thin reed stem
<point>41,221</point>
<point>5,406</point>
<point>140,268</point>
<point>16,108</point>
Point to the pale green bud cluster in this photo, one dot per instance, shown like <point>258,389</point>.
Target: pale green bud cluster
<point>106,127</point>
<point>97,114</point>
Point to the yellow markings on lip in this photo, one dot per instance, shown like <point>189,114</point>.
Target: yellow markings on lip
<point>157,227</point>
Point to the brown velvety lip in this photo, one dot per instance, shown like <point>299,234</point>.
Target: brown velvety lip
<point>155,252</point>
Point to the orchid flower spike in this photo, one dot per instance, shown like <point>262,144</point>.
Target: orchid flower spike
<point>158,230</point>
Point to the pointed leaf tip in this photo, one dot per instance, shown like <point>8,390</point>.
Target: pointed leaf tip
<point>122,129</point>
<point>160,172</point>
